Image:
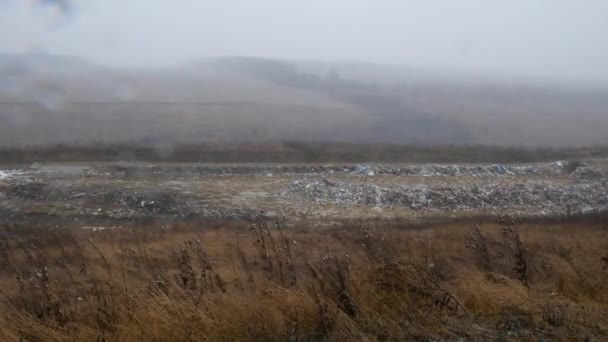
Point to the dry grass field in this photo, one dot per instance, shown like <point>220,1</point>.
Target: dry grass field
<point>269,281</point>
<point>293,152</point>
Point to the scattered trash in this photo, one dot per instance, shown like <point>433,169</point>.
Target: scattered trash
<point>134,191</point>
<point>96,229</point>
<point>364,170</point>
<point>495,195</point>
<point>8,174</point>
<point>586,173</point>
<point>34,191</point>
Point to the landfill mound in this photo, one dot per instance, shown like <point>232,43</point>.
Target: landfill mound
<point>582,197</point>
<point>438,170</point>
<point>121,204</point>
<point>131,170</point>
<point>99,192</point>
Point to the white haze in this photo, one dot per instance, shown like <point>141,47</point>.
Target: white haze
<point>558,39</point>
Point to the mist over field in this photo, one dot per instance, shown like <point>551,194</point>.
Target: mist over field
<point>429,73</point>
<point>51,99</point>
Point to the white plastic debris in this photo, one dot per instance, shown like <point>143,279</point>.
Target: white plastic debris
<point>8,174</point>
<point>490,196</point>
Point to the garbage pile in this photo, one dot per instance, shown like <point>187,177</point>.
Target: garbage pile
<point>147,202</point>
<point>131,170</point>
<point>587,173</point>
<point>34,191</point>
<point>496,195</point>
<point>478,170</point>
<point>142,170</point>
<point>10,174</point>
<point>120,203</point>
<point>125,191</point>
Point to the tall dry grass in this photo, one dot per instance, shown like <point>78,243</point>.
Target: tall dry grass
<point>266,281</point>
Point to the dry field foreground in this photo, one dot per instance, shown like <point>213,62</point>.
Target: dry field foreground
<point>266,281</point>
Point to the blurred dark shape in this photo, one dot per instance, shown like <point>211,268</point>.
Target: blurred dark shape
<point>65,6</point>
<point>59,12</point>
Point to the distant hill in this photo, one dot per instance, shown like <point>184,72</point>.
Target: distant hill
<point>57,99</point>
<point>29,62</point>
<point>171,105</point>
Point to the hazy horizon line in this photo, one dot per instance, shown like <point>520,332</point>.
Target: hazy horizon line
<point>461,73</point>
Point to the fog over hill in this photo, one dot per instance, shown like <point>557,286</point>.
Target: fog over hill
<point>57,99</point>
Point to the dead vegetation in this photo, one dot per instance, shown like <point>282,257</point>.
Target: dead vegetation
<point>295,152</point>
<point>266,281</point>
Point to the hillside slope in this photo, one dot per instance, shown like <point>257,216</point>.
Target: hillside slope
<point>440,107</point>
<point>42,104</point>
<point>55,99</point>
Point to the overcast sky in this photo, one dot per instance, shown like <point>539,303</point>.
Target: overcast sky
<point>557,38</point>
